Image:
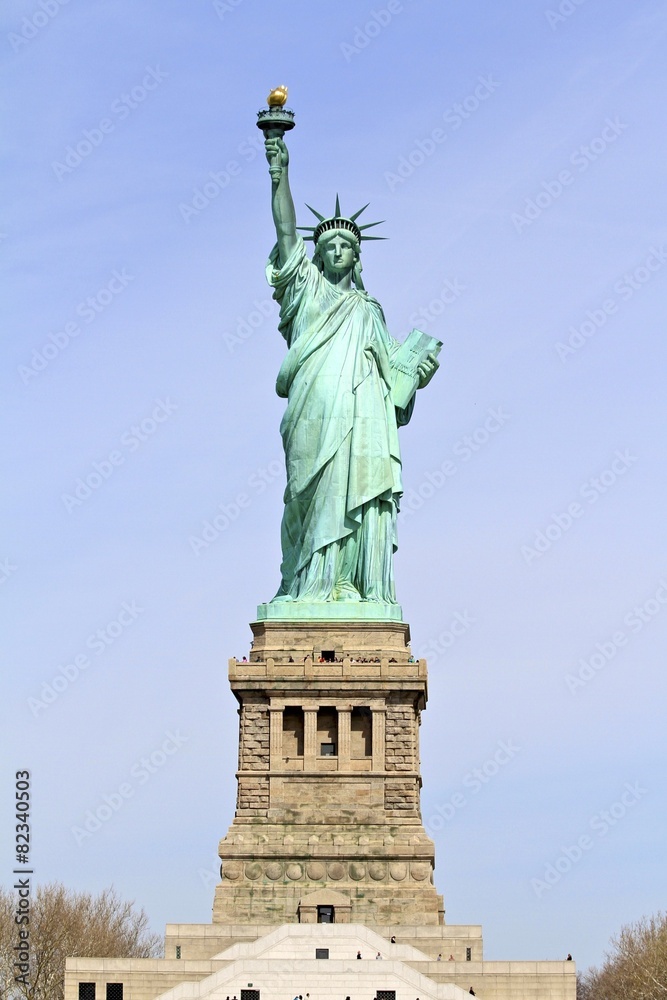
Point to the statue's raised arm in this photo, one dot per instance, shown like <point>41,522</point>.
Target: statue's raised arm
<point>282,203</point>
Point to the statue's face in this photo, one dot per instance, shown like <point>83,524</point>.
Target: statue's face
<point>338,253</point>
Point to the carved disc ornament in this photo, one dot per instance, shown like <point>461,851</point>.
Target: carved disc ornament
<point>398,871</point>
<point>232,870</point>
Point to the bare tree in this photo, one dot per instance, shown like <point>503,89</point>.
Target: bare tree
<point>67,924</point>
<point>636,966</point>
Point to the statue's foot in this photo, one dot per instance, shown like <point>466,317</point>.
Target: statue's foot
<point>280,598</point>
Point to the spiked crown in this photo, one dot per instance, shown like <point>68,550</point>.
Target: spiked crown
<point>338,221</point>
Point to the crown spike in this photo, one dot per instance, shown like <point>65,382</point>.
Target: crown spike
<point>338,221</point>
<point>358,213</point>
<point>316,214</point>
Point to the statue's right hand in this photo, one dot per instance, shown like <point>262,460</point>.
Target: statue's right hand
<point>277,155</point>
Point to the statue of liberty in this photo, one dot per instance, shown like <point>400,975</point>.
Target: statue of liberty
<point>340,427</point>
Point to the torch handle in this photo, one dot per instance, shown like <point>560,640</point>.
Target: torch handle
<point>274,122</point>
<point>274,133</point>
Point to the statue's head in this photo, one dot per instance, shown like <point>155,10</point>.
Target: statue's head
<point>337,252</point>
<point>337,240</point>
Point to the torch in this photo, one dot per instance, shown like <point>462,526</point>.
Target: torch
<point>276,119</point>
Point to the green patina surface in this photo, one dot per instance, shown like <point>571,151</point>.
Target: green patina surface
<point>340,427</point>
<point>348,611</point>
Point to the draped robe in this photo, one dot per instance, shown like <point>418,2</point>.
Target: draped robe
<point>340,438</point>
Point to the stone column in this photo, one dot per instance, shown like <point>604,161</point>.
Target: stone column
<point>379,715</point>
<point>344,747</point>
<point>309,737</point>
<point>276,737</point>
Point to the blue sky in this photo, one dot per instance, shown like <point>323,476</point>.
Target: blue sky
<point>516,152</point>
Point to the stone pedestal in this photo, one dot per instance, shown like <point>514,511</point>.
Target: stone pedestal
<point>328,779</point>
<point>327,827</point>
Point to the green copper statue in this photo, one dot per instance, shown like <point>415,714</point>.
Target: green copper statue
<point>340,428</point>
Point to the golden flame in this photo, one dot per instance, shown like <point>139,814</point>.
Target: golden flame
<point>277,97</point>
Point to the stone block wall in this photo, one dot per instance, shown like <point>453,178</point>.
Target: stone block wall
<point>253,795</point>
<point>254,734</point>
<point>377,891</point>
<point>401,795</point>
<point>400,738</point>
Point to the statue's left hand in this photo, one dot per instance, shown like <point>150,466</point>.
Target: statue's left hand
<point>427,370</point>
<point>278,156</point>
